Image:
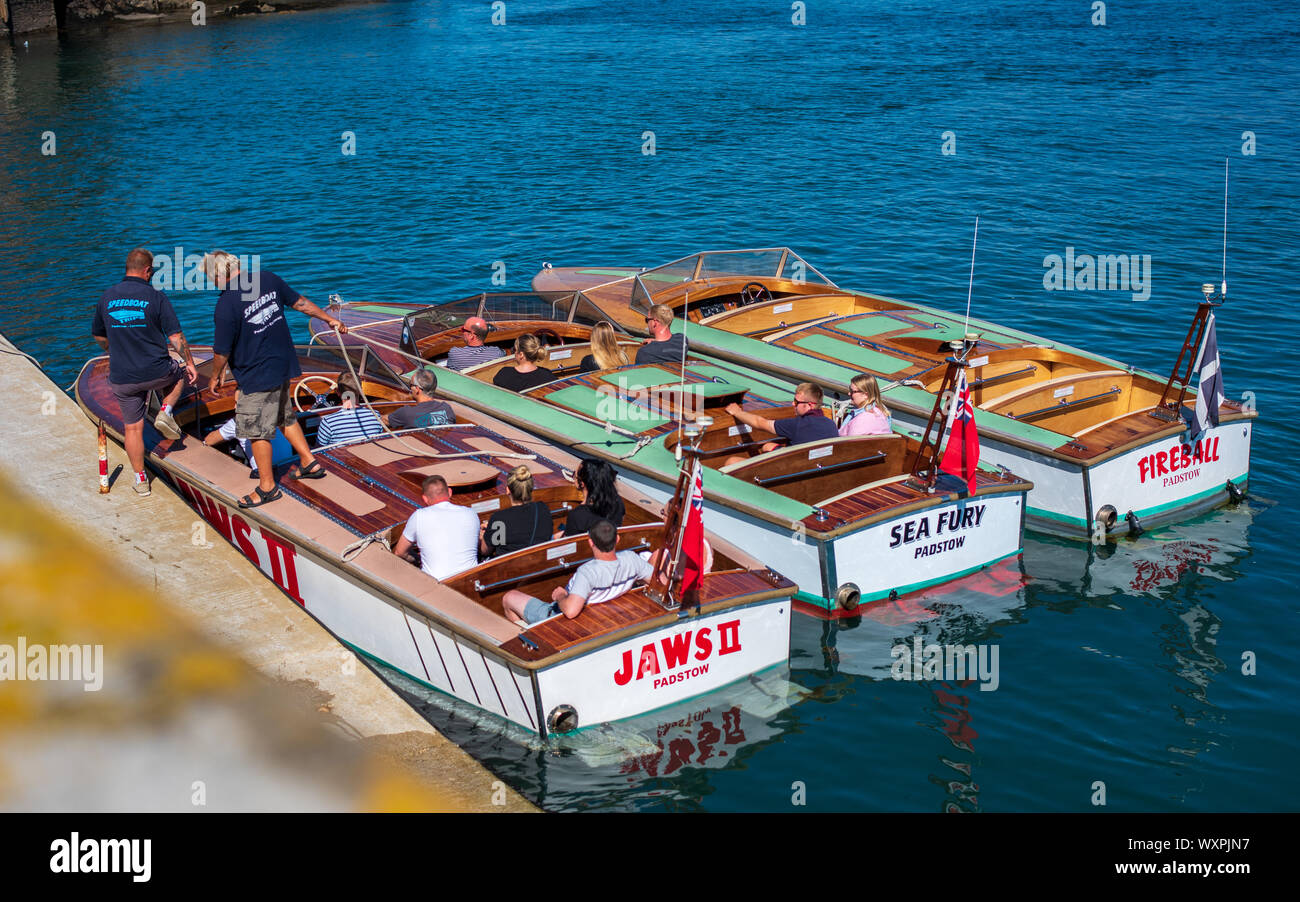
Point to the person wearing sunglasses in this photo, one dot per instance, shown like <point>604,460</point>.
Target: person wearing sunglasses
<point>808,424</point>
<point>475,351</point>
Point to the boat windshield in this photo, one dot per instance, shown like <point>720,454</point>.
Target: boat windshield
<point>761,263</point>
<point>368,365</point>
<point>500,306</point>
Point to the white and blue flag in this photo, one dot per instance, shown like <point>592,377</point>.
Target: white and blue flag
<point>1210,392</point>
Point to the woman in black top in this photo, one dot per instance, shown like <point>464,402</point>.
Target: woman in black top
<point>526,522</point>
<point>600,499</point>
<point>525,374</point>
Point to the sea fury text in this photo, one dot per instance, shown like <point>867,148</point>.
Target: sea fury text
<point>677,653</point>
<point>102,856</point>
<point>1180,463</point>
<point>75,663</point>
<point>952,663</point>
<point>945,523</point>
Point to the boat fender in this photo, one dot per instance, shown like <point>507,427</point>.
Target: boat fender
<point>1135,527</point>
<point>1235,492</point>
<point>848,597</point>
<point>1106,517</point>
<point>562,719</point>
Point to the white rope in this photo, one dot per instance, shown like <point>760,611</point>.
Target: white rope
<point>361,544</point>
<point>415,451</point>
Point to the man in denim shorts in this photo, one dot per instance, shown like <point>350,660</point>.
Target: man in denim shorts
<point>251,334</point>
<point>135,323</point>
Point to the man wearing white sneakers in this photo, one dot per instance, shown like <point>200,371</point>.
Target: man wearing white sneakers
<point>135,323</point>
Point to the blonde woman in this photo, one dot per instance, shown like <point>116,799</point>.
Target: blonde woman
<point>605,352</point>
<point>526,373</point>
<point>869,415</point>
<point>526,522</point>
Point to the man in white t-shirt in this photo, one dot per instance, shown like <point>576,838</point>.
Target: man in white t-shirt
<point>446,533</point>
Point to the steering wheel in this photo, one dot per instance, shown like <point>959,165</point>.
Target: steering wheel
<point>548,336</point>
<point>754,292</point>
<point>330,385</point>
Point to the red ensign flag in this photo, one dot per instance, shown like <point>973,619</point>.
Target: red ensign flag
<point>693,534</point>
<point>963,452</point>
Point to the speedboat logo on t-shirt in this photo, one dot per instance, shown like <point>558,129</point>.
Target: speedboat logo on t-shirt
<point>263,312</point>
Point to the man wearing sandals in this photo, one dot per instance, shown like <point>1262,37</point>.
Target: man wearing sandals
<point>251,334</point>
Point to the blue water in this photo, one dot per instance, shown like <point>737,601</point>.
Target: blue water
<point>523,143</point>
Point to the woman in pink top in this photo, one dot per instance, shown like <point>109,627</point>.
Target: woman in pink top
<point>870,416</point>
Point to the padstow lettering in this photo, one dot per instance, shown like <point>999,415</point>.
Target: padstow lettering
<point>933,526</point>
<point>677,663</point>
<point>1180,463</point>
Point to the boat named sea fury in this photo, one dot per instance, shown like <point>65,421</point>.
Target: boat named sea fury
<point>1101,441</point>
<point>324,545</point>
<point>849,519</point>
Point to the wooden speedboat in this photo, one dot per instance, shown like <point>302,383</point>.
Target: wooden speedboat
<point>324,545</point>
<point>1102,441</point>
<point>845,518</point>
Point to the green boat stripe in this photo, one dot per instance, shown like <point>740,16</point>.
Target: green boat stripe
<point>1185,502</point>
<point>865,358</point>
<point>829,603</point>
<point>382,308</point>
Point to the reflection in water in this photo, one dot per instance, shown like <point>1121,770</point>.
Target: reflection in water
<point>1213,545</point>
<point>656,762</point>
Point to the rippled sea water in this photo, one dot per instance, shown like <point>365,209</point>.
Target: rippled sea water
<point>523,143</point>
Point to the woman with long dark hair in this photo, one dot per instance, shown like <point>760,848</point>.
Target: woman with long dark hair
<point>600,500</point>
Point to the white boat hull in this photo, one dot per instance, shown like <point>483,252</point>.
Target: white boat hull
<point>720,648</point>
<point>880,558</point>
<point>1066,495</point>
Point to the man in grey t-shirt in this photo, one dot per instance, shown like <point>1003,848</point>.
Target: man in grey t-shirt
<point>606,576</point>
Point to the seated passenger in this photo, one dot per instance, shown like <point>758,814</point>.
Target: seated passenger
<point>808,424</point>
<point>350,422</point>
<point>605,577</point>
<point>600,500</point>
<point>475,351</point>
<point>445,533</point>
<point>281,451</point>
<point>427,410</point>
<point>605,352</point>
<point>525,374</point>
<point>525,522</point>
<point>869,415</point>
<point>662,346</point>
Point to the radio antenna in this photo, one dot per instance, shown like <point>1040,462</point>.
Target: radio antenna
<point>971,284</point>
<point>1223,288</point>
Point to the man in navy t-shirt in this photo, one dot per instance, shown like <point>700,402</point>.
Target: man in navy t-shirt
<point>808,424</point>
<point>135,323</point>
<point>251,333</point>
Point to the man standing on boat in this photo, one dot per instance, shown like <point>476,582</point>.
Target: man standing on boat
<point>808,424</point>
<point>135,323</point>
<point>662,346</point>
<point>251,333</point>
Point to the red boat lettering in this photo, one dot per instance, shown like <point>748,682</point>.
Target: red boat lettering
<point>672,678</point>
<point>677,654</point>
<point>241,531</point>
<point>677,649</point>
<point>286,576</point>
<point>729,633</point>
<point>703,644</point>
<point>1179,457</point>
<point>649,661</point>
